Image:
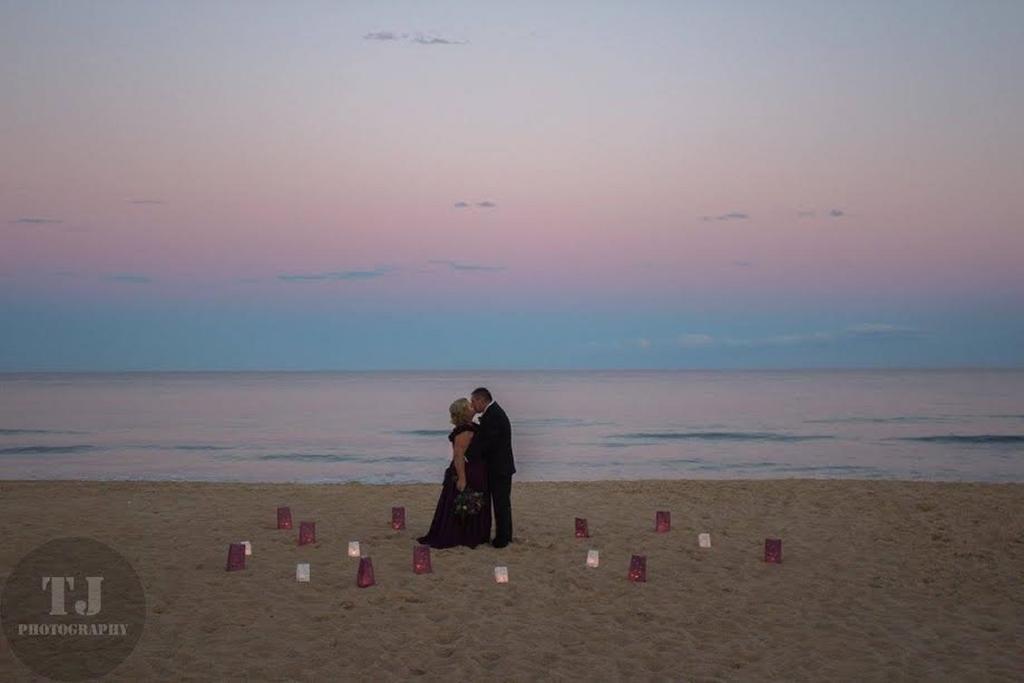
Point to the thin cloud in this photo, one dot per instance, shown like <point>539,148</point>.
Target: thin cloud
<point>383,35</point>
<point>481,204</point>
<point>455,265</point>
<point>418,38</point>
<point>337,275</point>
<point>435,40</point>
<point>731,216</point>
<point>33,220</point>
<point>130,278</point>
<point>695,341</point>
<point>702,341</point>
<point>806,214</point>
<point>807,339</point>
<point>882,331</point>
<point>146,201</point>
<point>864,331</point>
<point>836,213</point>
<point>743,264</point>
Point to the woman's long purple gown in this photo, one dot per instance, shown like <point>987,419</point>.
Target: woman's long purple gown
<point>449,530</point>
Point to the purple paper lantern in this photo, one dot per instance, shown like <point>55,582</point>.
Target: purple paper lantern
<point>307,533</point>
<point>663,521</point>
<point>397,518</point>
<point>773,550</point>
<point>364,578</point>
<point>284,518</point>
<point>236,557</point>
<point>421,560</point>
<point>581,528</point>
<point>638,569</point>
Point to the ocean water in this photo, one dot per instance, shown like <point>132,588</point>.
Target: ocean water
<point>377,427</point>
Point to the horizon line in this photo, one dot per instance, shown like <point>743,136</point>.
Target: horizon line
<point>880,368</point>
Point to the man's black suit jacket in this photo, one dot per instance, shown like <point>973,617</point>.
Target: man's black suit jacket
<point>493,441</point>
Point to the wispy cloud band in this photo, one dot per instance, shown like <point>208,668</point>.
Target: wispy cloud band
<point>336,275</point>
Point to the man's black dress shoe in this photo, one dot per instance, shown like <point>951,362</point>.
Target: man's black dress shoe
<point>499,544</point>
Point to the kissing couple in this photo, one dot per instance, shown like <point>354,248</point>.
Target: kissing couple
<point>478,478</point>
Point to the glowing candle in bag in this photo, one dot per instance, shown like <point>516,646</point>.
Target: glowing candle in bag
<point>638,568</point>
<point>302,572</point>
<point>236,557</point>
<point>397,518</point>
<point>365,576</point>
<point>284,518</point>
<point>248,548</point>
<point>704,540</point>
<point>581,528</point>
<point>421,559</point>
<point>662,521</point>
<point>501,574</point>
<point>773,550</point>
<point>592,558</point>
<point>307,532</point>
<point>353,549</point>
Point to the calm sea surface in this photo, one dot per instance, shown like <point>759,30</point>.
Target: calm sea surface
<point>392,427</point>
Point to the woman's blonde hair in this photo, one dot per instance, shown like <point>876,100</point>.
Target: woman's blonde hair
<point>460,411</point>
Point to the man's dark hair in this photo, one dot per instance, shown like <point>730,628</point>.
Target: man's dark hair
<point>482,393</point>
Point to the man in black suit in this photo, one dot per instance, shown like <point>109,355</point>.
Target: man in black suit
<point>494,443</point>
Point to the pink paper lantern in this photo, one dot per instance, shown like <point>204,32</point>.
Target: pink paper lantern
<point>397,518</point>
<point>236,557</point>
<point>638,568</point>
<point>663,521</point>
<point>773,550</point>
<point>421,560</point>
<point>365,577</point>
<point>284,518</point>
<point>307,533</point>
<point>581,528</point>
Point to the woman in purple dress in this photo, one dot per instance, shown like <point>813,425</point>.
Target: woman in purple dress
<point>467,472</point>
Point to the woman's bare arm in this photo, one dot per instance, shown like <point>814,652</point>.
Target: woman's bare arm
<point>459,447</point>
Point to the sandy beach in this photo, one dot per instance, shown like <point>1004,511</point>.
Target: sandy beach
<point>879,581</point>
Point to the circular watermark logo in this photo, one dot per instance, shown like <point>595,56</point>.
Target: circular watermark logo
<point>73,609</point>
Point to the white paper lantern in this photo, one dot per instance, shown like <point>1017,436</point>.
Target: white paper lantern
<point>501,574</point>
<point>353,549</point>
<point>248,548</point>
<point>593,558</point>
<point>302,572</point>
<point>704,540</point>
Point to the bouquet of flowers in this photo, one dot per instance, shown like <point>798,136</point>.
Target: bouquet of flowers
<point>468,503</point>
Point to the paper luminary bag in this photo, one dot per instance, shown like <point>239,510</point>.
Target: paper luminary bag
<point>364,578</point>
<point>284,518</point>
<point>353,549</point>
<point>773,550</point>
<point>307,533</point>
<point>501,574</point>
<point>302,572</point>
<point>638,568</point>
<point>236,557</point>
<point>581,528</point>
<point>421,559</point>
<point>662,521</point>
<point>593,558</point>
<point>397,518</point>
<point>704,540</point>
<point>248,548</point>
